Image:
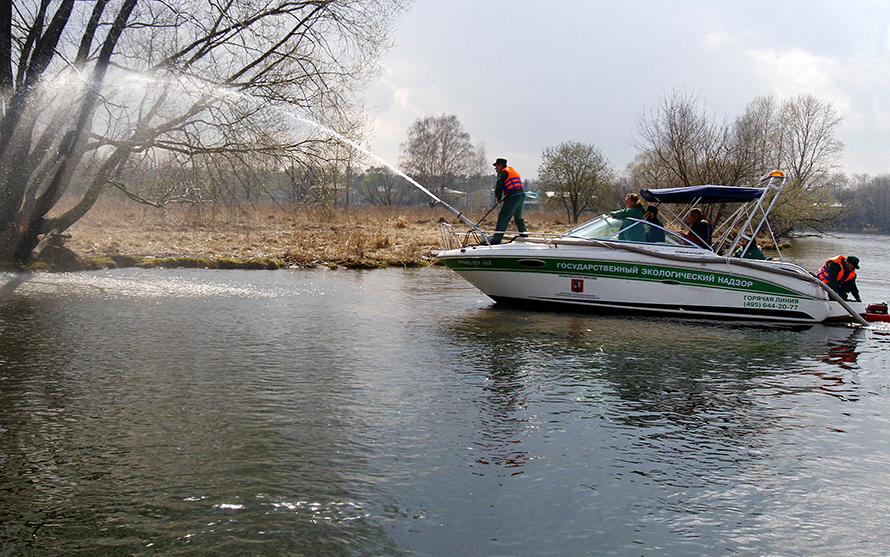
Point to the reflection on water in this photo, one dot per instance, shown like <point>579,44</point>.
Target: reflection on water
<point>401,412</point>
<point>679,416</point>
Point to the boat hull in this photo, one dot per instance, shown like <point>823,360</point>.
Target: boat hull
<point>660,280</point>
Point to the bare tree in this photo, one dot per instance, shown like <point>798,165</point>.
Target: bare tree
<point>758,138</point>
<point>439,153</point>
<point>93,88</point>
<point>811,150</point>
<point>382,186</point>
<point>681,145</point>
<point>867,199</point>
<point>689,146</point>
<point>578,176</point>
<point>796,135</point>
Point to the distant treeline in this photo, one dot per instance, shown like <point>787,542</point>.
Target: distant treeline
<point>866,203</point>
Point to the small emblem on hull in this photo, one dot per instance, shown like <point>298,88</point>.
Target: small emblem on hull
<point>577,286</point>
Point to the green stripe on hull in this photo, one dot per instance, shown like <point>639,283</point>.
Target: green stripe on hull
<point>628,271</point>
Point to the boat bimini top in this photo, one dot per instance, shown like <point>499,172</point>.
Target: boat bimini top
<point>702,194</point>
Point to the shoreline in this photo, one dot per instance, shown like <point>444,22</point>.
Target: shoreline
<point>119,234</point>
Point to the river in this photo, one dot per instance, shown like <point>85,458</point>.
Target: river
<point>400,412</point>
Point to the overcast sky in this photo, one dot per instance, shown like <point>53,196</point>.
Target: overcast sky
<point>524,75</point>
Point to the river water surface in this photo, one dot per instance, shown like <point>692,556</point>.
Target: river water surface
<point>401,412</point>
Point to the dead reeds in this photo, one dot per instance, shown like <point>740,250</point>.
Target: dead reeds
<point>362,237</point>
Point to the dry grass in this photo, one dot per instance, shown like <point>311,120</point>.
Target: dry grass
<point>362,237</point>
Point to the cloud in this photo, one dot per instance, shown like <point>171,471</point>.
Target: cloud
<point>857,87</point>
<point>396,97</point>
<point>719,40</point>
<point>522,79</point>
<point>796,72</point>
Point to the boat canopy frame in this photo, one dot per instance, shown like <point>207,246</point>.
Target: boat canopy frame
<point>755,204</point>
<point>749,218</point>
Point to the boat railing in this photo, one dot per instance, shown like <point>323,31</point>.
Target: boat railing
<point>452,239</point>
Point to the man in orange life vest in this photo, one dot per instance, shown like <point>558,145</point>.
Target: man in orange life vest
<point>508,190</point>
<point>839,273</point>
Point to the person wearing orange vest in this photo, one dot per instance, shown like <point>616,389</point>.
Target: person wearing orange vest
<point>509,191</point>
<point>839,273</point>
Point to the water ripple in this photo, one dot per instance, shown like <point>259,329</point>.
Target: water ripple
<point>399,412</point>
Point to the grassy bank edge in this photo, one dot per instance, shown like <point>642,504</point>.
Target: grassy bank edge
<point>64,260</point>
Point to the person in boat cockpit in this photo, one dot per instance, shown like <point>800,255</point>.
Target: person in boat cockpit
<point>510,191</point>
<point>654,234</point>
<point>753,252</point>
<point>839,273</point>
<point>631,229</point>
<point>699,229</point>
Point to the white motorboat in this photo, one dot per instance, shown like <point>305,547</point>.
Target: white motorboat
<point>589,268</point>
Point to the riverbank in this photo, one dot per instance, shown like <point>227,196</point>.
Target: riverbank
<point>124,234</point>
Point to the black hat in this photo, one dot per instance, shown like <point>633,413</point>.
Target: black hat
<point>652,209</point>
<point>853,260</point>
<point>502,162</point>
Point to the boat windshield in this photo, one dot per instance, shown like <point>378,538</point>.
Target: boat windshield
<point>602,227</point>
<point>607,228</point>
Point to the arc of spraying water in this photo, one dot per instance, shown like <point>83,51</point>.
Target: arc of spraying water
<point>411,180</point>
<point>219,91</point>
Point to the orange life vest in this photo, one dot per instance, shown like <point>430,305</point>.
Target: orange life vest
<point>841,277</point>
<point>513,184</point>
